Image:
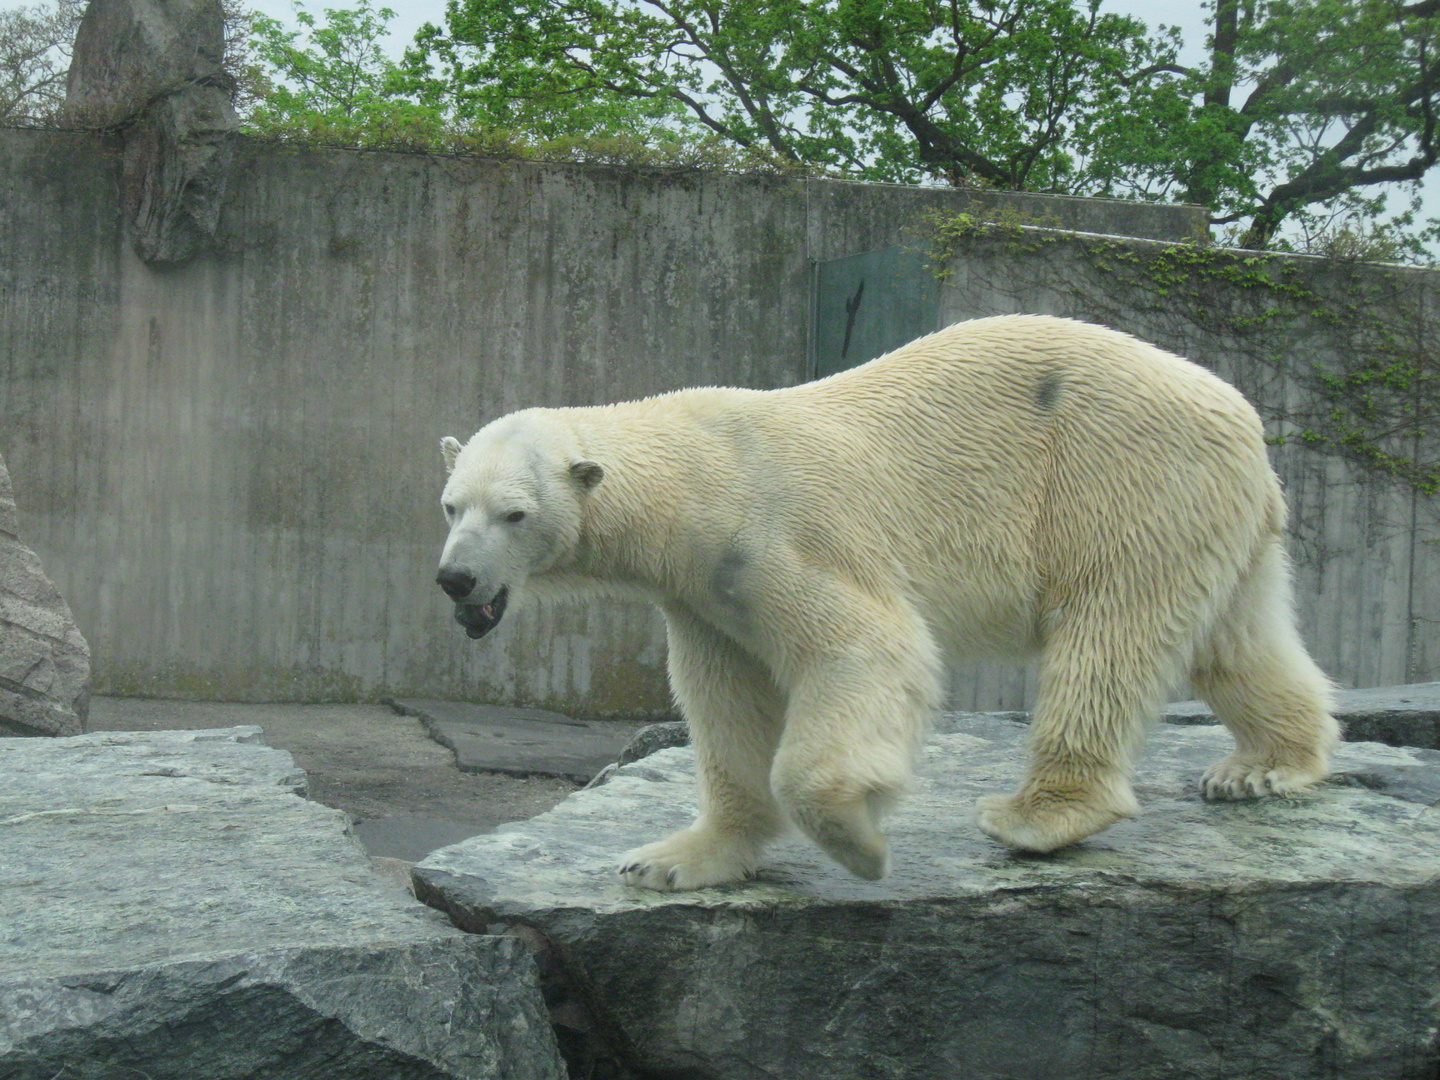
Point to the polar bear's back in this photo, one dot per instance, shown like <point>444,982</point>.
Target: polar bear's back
<point>1037,366</point>
<point>978,470</point>
<point>1026,394</point>
<point>1019,385</point>
<point>1084,440</point>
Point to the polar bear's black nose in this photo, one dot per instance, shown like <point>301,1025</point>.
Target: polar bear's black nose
<point>456,583</point>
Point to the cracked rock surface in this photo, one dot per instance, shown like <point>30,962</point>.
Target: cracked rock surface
<point>172,907</point>
<point>1277,939</point>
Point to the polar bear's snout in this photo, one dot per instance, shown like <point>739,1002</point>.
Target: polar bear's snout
<point>456,583</point>
<point>478,617</point>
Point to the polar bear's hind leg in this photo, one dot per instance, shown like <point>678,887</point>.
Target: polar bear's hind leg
<point>1101,679</point>
<point>1255,673</point>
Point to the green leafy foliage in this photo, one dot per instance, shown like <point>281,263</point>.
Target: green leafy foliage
<point>1303,114</point>
<point>337,84</point>
<point>1305,111</point>
<point>995,93</point>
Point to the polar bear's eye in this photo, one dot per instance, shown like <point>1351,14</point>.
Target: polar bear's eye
<point>515,515</point>
<point>449,510</point>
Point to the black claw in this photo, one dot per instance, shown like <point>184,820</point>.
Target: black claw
<point>670,877</point>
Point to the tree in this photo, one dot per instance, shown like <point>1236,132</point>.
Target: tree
<point>993,92</point>
<point>1303,110</point>
<point>338,83</point>
<point>34,58</point>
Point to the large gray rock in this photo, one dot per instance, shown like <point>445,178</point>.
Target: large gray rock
<point>131,53</point>
<point>44,661</point>
<point>1274,939</point>
<point>171,907</point>
<point>154,68</point>
<point>178,159</point>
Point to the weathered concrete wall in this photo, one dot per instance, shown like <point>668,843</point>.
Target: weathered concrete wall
<point>231,467</point>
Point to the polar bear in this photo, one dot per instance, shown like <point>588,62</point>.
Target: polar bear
<point>1020,486</point>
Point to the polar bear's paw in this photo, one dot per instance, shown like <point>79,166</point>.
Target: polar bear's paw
<point>690,859</point>
<point>1254,776</point>
<point>847,832</point>
<point>1045,821</point>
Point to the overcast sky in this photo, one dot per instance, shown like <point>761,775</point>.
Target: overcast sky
<point>410,14</point>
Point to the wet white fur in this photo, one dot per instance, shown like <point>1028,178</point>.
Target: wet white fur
<point>1019,486</point>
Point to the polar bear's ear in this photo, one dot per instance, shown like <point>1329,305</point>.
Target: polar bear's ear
<point>588,473</point>
<point>449,449</point>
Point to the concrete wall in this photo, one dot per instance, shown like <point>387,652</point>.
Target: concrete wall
<point>231,468</point>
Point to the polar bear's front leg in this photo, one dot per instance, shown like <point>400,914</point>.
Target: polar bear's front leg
<point>854,722</point>
<point>734,711</point>
<point>691,859</point>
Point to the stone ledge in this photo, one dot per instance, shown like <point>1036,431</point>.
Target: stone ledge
<point>170,906</point>
<point>1283,938</point>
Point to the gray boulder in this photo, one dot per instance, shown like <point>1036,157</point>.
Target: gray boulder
<point>654,737</point>
<point>130,53</point>
<point>178,159</point>
<point>44,661</point>
<point>154,68</point>
<point>1276,939</point>
<point>171,907</point>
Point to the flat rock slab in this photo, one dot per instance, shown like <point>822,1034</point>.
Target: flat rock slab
<point>1276,939</point>
<point>172,907</point>
<point>518,741</point>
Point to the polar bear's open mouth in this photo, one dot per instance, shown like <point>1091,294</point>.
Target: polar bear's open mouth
<point>479,619</point>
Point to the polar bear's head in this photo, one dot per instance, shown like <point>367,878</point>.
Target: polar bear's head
<point>513,502</point>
